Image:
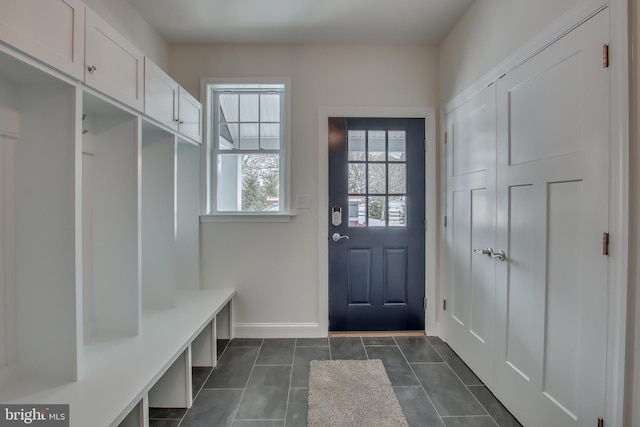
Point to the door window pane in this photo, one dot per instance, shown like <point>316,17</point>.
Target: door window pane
<point>377,211</point>
<point>397,146</point>
<point>397,211</point>
<point>377,145</point>
<point>377,178</point>
<point>356,145</point>
<point>357,178</point>
<point>357,211</point>
<point>397,178</point>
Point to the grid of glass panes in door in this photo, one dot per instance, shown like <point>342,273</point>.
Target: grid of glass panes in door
<point>377,178</point>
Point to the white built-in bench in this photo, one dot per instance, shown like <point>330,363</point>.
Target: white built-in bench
<point>125,376</point>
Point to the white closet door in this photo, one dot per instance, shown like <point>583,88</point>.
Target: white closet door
<point>471,180</point>
<point>553,174</point>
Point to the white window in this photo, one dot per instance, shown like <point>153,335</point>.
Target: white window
<point>248,141</point>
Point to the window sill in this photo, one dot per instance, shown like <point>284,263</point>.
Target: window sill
<point>248,217</point>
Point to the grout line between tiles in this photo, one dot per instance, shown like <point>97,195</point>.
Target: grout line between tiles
<point>418,379</point>
<point>286,410</point>
<point>244,390</point>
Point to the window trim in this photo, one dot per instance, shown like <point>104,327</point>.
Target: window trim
<point>209,167</point>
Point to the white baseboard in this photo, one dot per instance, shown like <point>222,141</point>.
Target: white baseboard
<point>278,330</point>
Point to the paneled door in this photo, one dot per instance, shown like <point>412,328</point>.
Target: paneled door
<point>376,224</point>
<point>552,206</point>
<point>470,232</point>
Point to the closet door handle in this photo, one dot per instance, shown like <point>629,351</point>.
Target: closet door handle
<point>501,255</point>
<point>92,69</point>
<point>487,251</point>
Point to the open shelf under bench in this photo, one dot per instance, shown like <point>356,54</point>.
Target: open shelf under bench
<point>120,371</point>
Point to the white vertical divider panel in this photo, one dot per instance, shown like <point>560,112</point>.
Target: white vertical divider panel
<point>4,342</point>
<point>138,417</point>
<point>9,128</point>
<point>224,330</point>
<point>88,159</point>
<point>9,239</point>
<point>115,250</point>
<point>158,217</point>
<point>174,389</point>
<point>78,230</point>
<point>45,227</point>
<point>203,347</point>
<point>10,343</point>
<point>144,407</point>
<point>4,247</point>
<point>187,215</point>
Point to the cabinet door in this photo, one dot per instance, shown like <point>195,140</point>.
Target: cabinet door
<point>190,116</point>
<point>112,64</point>
<point>160,95</point>
<point>49,30</point>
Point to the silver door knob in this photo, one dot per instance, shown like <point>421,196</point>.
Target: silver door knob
<point>337,236</point>
<point>92,69</point>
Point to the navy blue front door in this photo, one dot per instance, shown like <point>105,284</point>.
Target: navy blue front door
<point>376,224</point>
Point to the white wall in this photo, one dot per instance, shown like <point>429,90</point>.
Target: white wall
<point>124,18</point>
<point>488,32</point>
<point>274,267</point>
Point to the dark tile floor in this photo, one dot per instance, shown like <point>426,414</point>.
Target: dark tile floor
<point>265,383</point>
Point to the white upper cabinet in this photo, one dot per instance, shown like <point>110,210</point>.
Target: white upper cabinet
<point>170,104</point>
<point>190,116</point>
<point>160,95</point>
<point>52,31</point>
<point>112,64</point>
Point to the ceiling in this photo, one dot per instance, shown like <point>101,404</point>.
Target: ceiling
<point>302,21</point>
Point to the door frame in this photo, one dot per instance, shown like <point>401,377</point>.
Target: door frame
<point>431,203</point>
